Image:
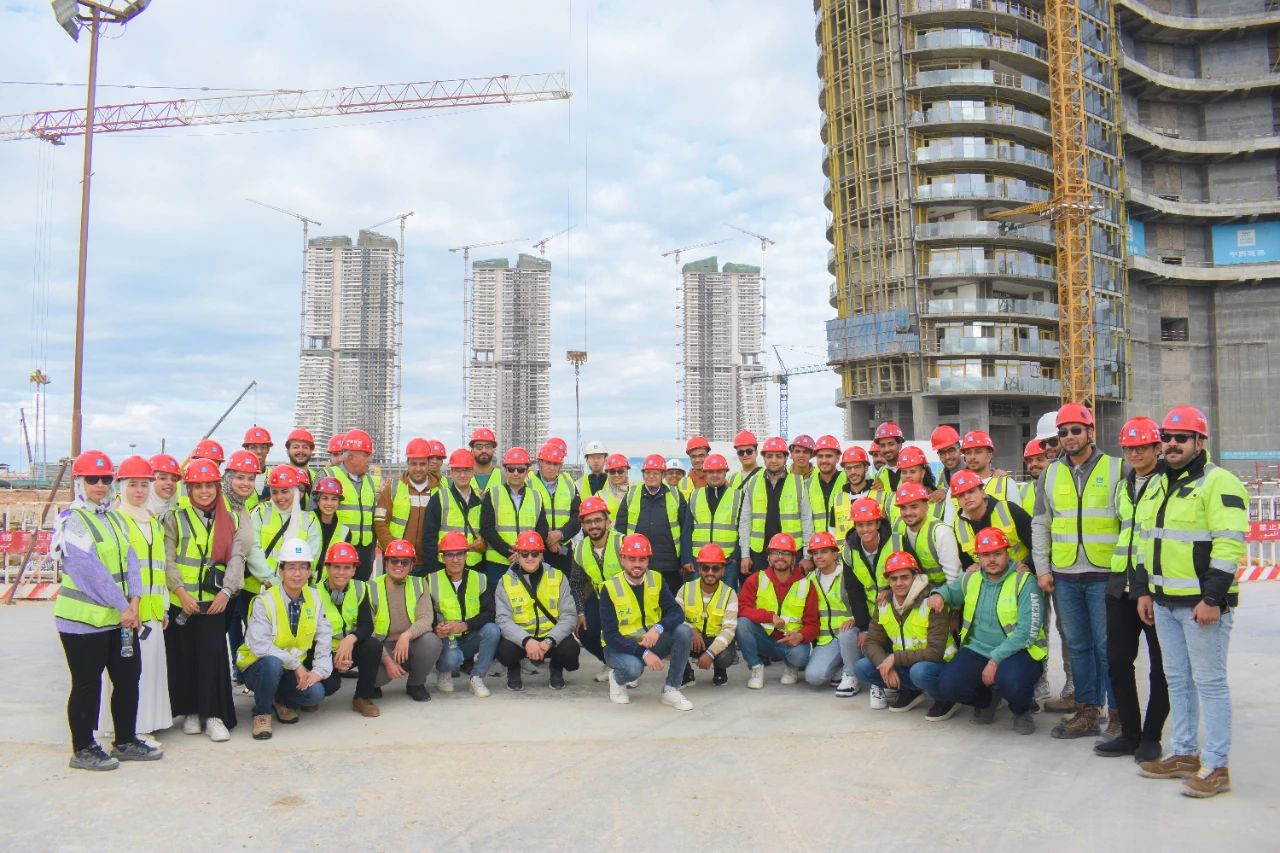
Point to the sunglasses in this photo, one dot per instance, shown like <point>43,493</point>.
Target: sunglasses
<point>613,472</point>
<point>1166,437</point>
<point>1049,442</point>
<point>96,479</point>
<point>517,469</point>
<point>526,554</point>
<point>747,451</point>
<point>710,567</point>
<point>399,561</point>
<point>1075,430</point>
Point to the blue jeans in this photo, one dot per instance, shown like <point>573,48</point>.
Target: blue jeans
<point>1016,677</point>
<point>590,636</point>
<point>672,644</point>
<point>839,655</point>
<point>756,643</point>
<point>271,682</point>
<point>919,676</point>
<point>1195,666</point>
<point>1083,606</point>
<point>482,644</point>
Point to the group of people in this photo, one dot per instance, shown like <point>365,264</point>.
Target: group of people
<point>923,587</point>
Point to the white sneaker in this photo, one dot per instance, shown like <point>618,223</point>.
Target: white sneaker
<point>878,700</point>
<point>603,675</point>
<point>528,667</point>
<point>847,687</point>
<point>617,692</point>
<point>789,674</point>
<point>216,731</point>
<point>191,725</point>
<point>756,681</point>
<point>676,699</point>
<point>444,682</point>
<point>632,685</point>
<point>478,687</point>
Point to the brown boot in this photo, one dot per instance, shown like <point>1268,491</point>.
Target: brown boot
<point>1112,731</point>
<point>365,707</point>
<point>1063,704</point>
<point>1082,724</point>
<point>284,713</point>
<point>1173,767</point>
<point>262,727</point>
<point>1207,783</point>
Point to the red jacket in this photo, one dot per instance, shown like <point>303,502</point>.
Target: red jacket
<point>747,603</point>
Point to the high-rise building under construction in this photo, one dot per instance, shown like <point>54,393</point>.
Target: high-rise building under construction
<point>721,386</point>
<point>509,368</point>
<point>347,374</point>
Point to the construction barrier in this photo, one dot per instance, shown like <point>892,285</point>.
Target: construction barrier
<point>1262,560</point>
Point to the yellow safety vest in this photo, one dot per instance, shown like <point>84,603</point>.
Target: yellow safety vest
<point>445,596</point>
<point>1002,520</point>
<point>792,611</point>
<point>527,615</point>
<point>912,633</point>
<point>596,569</point>
<point>1127,543</point>
<point>111,545</point>
<point>818,500</point>
<point>857,564</point>
<point>704,615</point>
<point>402,507</point>
<point>839,513</point>
<point>413,590</point>
<point>355,508</point>
<point>151,564</point>
<point>634,620</point>
<point>278,612</point>
<point>832,609</point>
<point>558,505</point>
<point>925,548</point>
<point>343,619</point>
<point>720,527</point>
<point>788,509</point>
<point>673,511</point>
<point>1006,608</point>
<point>192,552</point>
<point>509,522</point>
<point>453,519</point>
<point>1087,519</point>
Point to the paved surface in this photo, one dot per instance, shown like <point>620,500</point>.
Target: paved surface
<point>788,768</point>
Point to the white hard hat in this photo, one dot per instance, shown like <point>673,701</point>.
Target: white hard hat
<point>295,551</point>
<point>598,447</point>
<point>674,464</point>
<point>1047,426</point>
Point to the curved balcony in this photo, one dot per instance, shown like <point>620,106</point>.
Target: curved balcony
<point>1035,237</point>
<point>967,120</point>
<point>992,346</point>
<point>1144,21</point>
<point>1151,269</point>
<point>989,191</point>
<point>1027,309</point>
<point>1199,88</point>
<point>1019,88</point>
<point>1220,210</point>
<point>1008,12</point>
<point>1020,385</point>
<point>1144,138</point>
<point>1008,159</point>
<point>1014,270</point>
<point>980,44</point>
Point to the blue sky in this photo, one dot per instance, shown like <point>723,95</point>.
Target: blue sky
<point>685,115</point>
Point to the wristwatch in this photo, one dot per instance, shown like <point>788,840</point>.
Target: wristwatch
<point>659,629</point>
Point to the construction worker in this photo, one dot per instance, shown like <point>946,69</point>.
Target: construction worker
<point>1047,434</point>
<point>360,489</point>
<point>560,502</point>
<point>464,601</point>
<point>509,508</point>
<point>164,488</point>
<point>842,618</point>
<point>1192,540</point>
<point>349,610</point>
<point>697,449</point>
<point>1034,459</point>
<point>1074,532</point>
<point>711,610</point>
<point>712,517</point>
<point>326,494</point>
<point>288,648</point>
<point>239,484</point>
<point>336,449</point>
<point>979,450</point>
<point>258,442</point>
<point>978,511</point>
<point>1037,455</point>
<point>403,617</point>
<point>674,477</point>
<point>775,502</point>
<point>209,449</point>
<point>401,505</point>
<point>1002,641</point>
<point>888,441</point>
<point>656,510</point>
<point>930,542</point>
<point>454,508</point>
<point>802,448</point>
<point>642,623</point>
<point>594,477</point>
<point>825,482</point>
<point>745,444</point>
<point>913,467</point>
<point>777,614</point>
<point>483,445</point>
<point>945,442</point>
<point>854,463</point>
<point>908,644</point>
<point>596,558</point>
<point>300,446</point>
<point>1140,443</point>
<point>866,547</point>
<point>240,479</point>
<point>273,525</point>
<point>618,470</point>
<point>435,463</point>
<point>535,613</point>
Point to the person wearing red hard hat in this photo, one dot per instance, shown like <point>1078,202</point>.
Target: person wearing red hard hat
<point>164,488</point>
<point>509,508</point>
<point>209,449</point>
<point>712,518</point>
<point>843,618</point>
<point>913,467</point>
<point>336,448</point>
<point>1035,460</point>
<point>483,445</point>
<point>979,452</point>
<point>300,446</point>
<point>656,510</point>
<point>1186,584</point>
<point>854,464</point>
<point>777,614</point>
<point>325,496</point>
<point>401,508</point>
<point>774,502</point>
<point>241,496</point>
<point>350,613</point>
<point>403,618</point>
<point>978,511</point>
<point>711,611</point>
<point>360,488</point>
<point>825,482</point>
<point>278,520</point>
<point>745,445</point>
<point>535,612</point>
<point>466,626</point>
<point>931,542</point>
<point>697,449</point>
<point>593,477</point>
<point>560,502</point>
<point>454,508</point>
<point>866,552</point>
<point>618,472</point>
<point>888,440</point>
<point>945,442</point>
<point>258,442</point>
<point>802,448</point>
<point>1002,641</point>
<point>596,558</point>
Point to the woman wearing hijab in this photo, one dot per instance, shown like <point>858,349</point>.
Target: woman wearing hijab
<point>96,615</point>
<point>164,488</point>
<point>326,494</point>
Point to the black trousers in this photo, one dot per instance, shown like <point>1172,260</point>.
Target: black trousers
<point>199,670</point>
<point>1123,630</point>
<point>367,658</point>
<point>365,570</point>
<point>724,660</point>
<point>87,656</point>
<point>564,655</point>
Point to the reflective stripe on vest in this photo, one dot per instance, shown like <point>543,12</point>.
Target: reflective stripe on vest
<point>857,564</point>
<point>509,522</point>
<point>524,613</point>
<point>453,519</point>
<point>355,507</point>
<point>1085,520</point>
<point>633,619</point>
<point>912,633</point>
<point>720,527</point>
<point>634,500</point>
<point>401,506</point>
<point>413,590</point>
<point>925,547</point>
<point>278,612</point>
<point>343,619</point>
<point>841,506</point>
<point>151,565</point>
<point>1006,608</point>
<point>270,521</point>
<point>192,551</point>
<point>832,609</point>
<point>703,615</point>
<point>1196,526</point>
<point>445,595</point>
<point>559,504</point>
<point>111,546</point>
<point>596,571</point>
<point>788,509</point>
<point>1001,519</point>
<point>792,611</point>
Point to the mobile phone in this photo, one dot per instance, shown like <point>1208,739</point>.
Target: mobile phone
<point>146,632</point>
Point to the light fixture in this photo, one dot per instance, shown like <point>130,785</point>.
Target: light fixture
<point>68,14</point>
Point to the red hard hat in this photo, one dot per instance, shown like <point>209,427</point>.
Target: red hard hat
<point>964,480</point>
<point>400,548</point>
<point>343,553</point>
<point>1186,418</point>
<point>483,434</point>
<point>592,505</point>
<point>828,442</point>
<point>283,477</point>
<point>1033,448</point>
<point>806,442</point>
<point>1138,432</point>
<point>976,438</point>
<point>695,442</point>
<point>774,444</point>
<point>92,463</point>
<point>359,441</point>
<point>853,455</point>
<point>911,457</point>
<point>462,458</point>
<point>944,437</point>
<point>135,468</point>
<point>909,493</point>
<point>202,471</point>
<point>560,443</point>
<point>654,462</point>
<point>336,441</point>
<point>865,509</point>
<point>551,453</point>
<point>820,540</point>
<point>1074,413</point>
<point>992,538</point>
<point>209,449</point>
<point>327,486</point>
<point>636,545</point>
<point>715,462</point>
<point>616,460</point>
<point>529,540</point>
<point>711,553</point>
<point>888,429</point>
<point>782,542</point>
<point>453,541</point>
<point>164,463</point>
<point>256,435</point>
<point>244,462</point>
<point>746,438</point>
<point>302,435</point>
<point>516,456</point>
<point>435,449</point>
<point>900,560</point>
<point>417,448</point>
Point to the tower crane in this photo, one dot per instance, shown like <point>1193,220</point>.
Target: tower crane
<point>675,253</point>
<point>783,379</point>
<point>307,222</point>
<point>541,245</point>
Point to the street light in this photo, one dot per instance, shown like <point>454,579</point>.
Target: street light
<point>72,16</point>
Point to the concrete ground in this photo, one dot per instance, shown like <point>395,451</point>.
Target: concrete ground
<point>790,768</point>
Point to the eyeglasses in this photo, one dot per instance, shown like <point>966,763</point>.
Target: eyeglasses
<point>295,567</point>
<point>1166,437</point>
<point>454,555</point>
<point>1049,442</point>
<point>104,479</point>
<point>613,472</point>
<point>747,451</point>
<point>517,469</point>
<point>526,554</point>
<point>1075,430</point>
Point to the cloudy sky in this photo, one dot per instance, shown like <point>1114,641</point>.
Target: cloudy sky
<point>686,114</point>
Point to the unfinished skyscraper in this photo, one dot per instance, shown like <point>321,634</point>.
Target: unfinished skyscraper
<point>722,351</point>
<point>509,375</point>
<point>350,345</point>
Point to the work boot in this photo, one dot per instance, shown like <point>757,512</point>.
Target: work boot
<point>1083,723</point>
<point>720,676</point>
<point>1024,723</point>
<point>688,678</point>
<point>1173,767</point>
<point>444,682</point>
<point>940,711</point>
<point>617,692</point>
<point>365,707</point>
<point>1207,783</point>
<point>285,714</point>
<point>907,699</point>
<point>262,727</point>
<point>514,681</point>
<point>136,750</point>
<point>93,758</point>
<point>1066,701</point>
<point>1112,731</point>
<point>417,692</point>
<point>1116,747</point>
<point>986,715</point>
<point>756,681</point>
<point>557,677</point>
<point>1148,750</point>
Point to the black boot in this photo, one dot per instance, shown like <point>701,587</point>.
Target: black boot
<point>557,677</point>
<point>721,676</point>
<point>688,676</point>
<point>514,681</point>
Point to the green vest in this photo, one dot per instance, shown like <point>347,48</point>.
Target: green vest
<point>270,523</point>
<point>355,508</point>
<point>509,522</point>
<point>1006,608</point>
<point>1087,519</point>
<point>792,611</point>
<point>925,548</point>
<point>1029,498</point>
<point>559,505</point>
<point>413,590</point>
<point>853,558</point>
<point>343,619</point>
<point>401,506</point>
<point>278,610</point>
<point>111,545</point>
<point>839,523</point>
<point>584,485</point>
<point>634,499</point>
<point>454,520</point>
<point>446,597</point>
<point>192,552</point>
<point>788,509</point>
<point>912,633</point>
<point>1002,520</point>
<point>1127,542</point>
<point>151,564</point>
<point>527,616</point>
<point>720,527</point>
<point>832,609</point>
<point>818,504</point>
<point>634,620</point>
<point>705,616</point>
<point>599,570</point>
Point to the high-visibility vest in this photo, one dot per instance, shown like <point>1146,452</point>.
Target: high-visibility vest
<point>789,497</point>
<point>355,508</point>
<point>793,603</point>
<point>527,615</point>
<point>445,596</point>
<point>1088,519</point>
<point>996,487</point>
<point>151,564</point>
<point>454,519</point>
<point>838,512</point>
<point>599,570</point>
<point>721,526</point>
<point>401,508</point>
<point>818,501</point>
<point>912,633</point>
<point>414,588</point>
<point>509,522</point>
<point>111,545</point>
<point>559,504</point>
<point>340,534</point>
<point>889,506</point>
<point>1029,498</point>
<point>705,615</point>
<point>584,485</point>
<point>833,611</point>
<point>1128,541</point>
<point>673,512</point>
<point>612,500</point>
<point>872,577</point>
<point>686,486</point>
<point>278,612</point>
<point>343,619</point>
<point>192,551</point>
<point>633,619</point>
<point>1002,520</point>
<point>270,522</point>
<point>490,482</point>
<point>1006,608</point>
<point>925,548</point>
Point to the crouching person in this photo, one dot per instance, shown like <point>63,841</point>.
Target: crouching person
<point>346,604</point>
<point>402,620</point>
<point>534,609</point>
<point>711,612</point>
<point>465,604</point>
<point>843,618</point>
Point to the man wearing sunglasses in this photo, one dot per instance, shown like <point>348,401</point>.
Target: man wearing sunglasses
<point>776,502</point>
<point>712,517</point>
<point>1191,541</point>
<point>535,612</point>
<point>1074,531</point>
<point>745,445</point>
<point>509,508</point>
<point>711,609</point>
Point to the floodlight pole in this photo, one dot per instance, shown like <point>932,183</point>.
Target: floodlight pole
<point>77,380</point>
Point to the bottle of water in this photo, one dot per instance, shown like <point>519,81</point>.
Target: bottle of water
<point>126,642</point>
<point>181,618</point>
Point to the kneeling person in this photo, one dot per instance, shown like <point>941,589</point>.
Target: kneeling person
<point>777,614</point>
<point>465,604</point>
<point>711,611</point>
<point>534,609</point>
<point>402,621</point>
<point>346,604</point>
<point>843,618</point>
